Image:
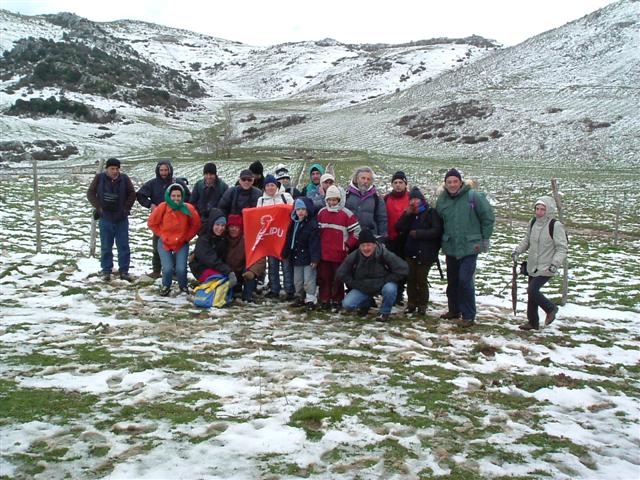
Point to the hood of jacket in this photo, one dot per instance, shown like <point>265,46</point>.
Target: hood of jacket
<point>167,163</point>
<point>310,209</point>
<point>550,203</point>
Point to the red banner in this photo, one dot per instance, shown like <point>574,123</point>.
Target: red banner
<point>265,231</point>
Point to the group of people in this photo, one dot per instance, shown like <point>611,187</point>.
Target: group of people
<point>344,246</point>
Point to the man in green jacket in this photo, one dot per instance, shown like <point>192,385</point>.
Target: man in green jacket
<point>468,225</point>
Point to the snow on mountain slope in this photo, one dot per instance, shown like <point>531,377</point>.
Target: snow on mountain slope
<point>568,94</point>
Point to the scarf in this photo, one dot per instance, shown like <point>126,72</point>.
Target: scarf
<point>176,206</point>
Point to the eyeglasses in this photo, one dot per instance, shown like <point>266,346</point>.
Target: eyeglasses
<point>246,179</point>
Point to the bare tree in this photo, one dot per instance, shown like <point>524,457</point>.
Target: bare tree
<point>220,139</point>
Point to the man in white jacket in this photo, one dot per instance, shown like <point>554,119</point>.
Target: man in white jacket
<point>546,241</point>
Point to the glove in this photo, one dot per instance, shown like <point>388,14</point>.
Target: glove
<point>412,234</point>
<point>486,243</point>
<point>514,256</point>
<point>233,280</point>
<point>96,214</point>
<point>249,275</point>
<point>553,268</point>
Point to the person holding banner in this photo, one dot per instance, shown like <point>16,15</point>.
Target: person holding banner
<point>272,196</point>
<point>236,259</point>
<point>302,248</point>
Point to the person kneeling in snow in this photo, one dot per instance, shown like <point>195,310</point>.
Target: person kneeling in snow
<point>369,271</point>
<point>246,276</point>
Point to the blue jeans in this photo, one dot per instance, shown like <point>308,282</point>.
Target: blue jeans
<point>357,299</point>
<point>274,275</point>
<point>167,261</point>
<point>304,278</point>
<point>537,299</point>
<point>118,232</point>
<point>461,289</point>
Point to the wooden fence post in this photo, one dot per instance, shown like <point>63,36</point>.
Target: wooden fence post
<point>36,205</point>
<point>565,264</point>
<point>92,237</point>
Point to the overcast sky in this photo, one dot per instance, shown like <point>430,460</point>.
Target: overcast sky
<point>264,22</point>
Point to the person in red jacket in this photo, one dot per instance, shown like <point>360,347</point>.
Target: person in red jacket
<point>175,223</point>
<point>397,202</point>
<point>339,228</point>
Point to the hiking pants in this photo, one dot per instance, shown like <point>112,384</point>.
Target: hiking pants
<point>167,259</point>
<point>118,232</point>
<point>537,300</point>
<point>330,288</point>
<point>461,289</point>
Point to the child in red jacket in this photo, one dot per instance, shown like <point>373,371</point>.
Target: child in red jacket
<point>338,236</point>
<point>175,223</point>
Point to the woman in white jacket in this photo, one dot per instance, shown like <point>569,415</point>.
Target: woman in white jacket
<point>546,241</point>
<point>272,195</point>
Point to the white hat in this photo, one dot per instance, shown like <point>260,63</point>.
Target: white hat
<point>333,192</point>
<point>327,176</point>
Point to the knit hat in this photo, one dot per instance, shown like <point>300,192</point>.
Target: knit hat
<point>453,173</point>
<point>235,220</point>
<point>270,179</point>
<point>246,173</point>
<point>281,173</point>
<point>113,162</point>
<point>333,192</point>
<point>300,204</point>
<point>327,176</point>
<point>210,168</point>
<point>256,167</point>
<point>416,193</point>
<point>366,236</point>
<point>399,175</point>
<point>220,221</point>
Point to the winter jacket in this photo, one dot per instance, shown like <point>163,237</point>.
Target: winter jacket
<point>369,274</point>
<point>205,197</point>
<point>369,208</point>
<point>544,251</point>
<point>152,192</point>
<point>302,246</point>
<point>113,199</point>
<point>174,227</point>
<point>338,233</point>
<point>468,220</point>
<point>428,227</point>
<point>210,250</point>
<point>236,258</point>
<point>235,199</point>
<point>396,205</point>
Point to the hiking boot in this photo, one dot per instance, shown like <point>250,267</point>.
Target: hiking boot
<point>421,310</point>
<point>410,309</point>
<point>290,297</point>
<point>106,276</point>
<point>466,323</point>
<point>310,306</point>
<point>272,295</point>
<point>165,291</point>
<point>336,307</point>
<point>326,306</point>
<point>363,311</point>
<point>383,317</point>
<point>185,290</point>
<point>126,277</point>
<point>551,316</point>
<point>527,326</point>
<point>154,274</point>
<point>298,302</point>
<point>450,315</point>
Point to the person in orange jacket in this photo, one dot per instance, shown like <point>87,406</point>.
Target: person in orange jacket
<point>175,223</point>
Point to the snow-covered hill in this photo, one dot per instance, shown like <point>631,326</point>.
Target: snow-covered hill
<point>568,94</point>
